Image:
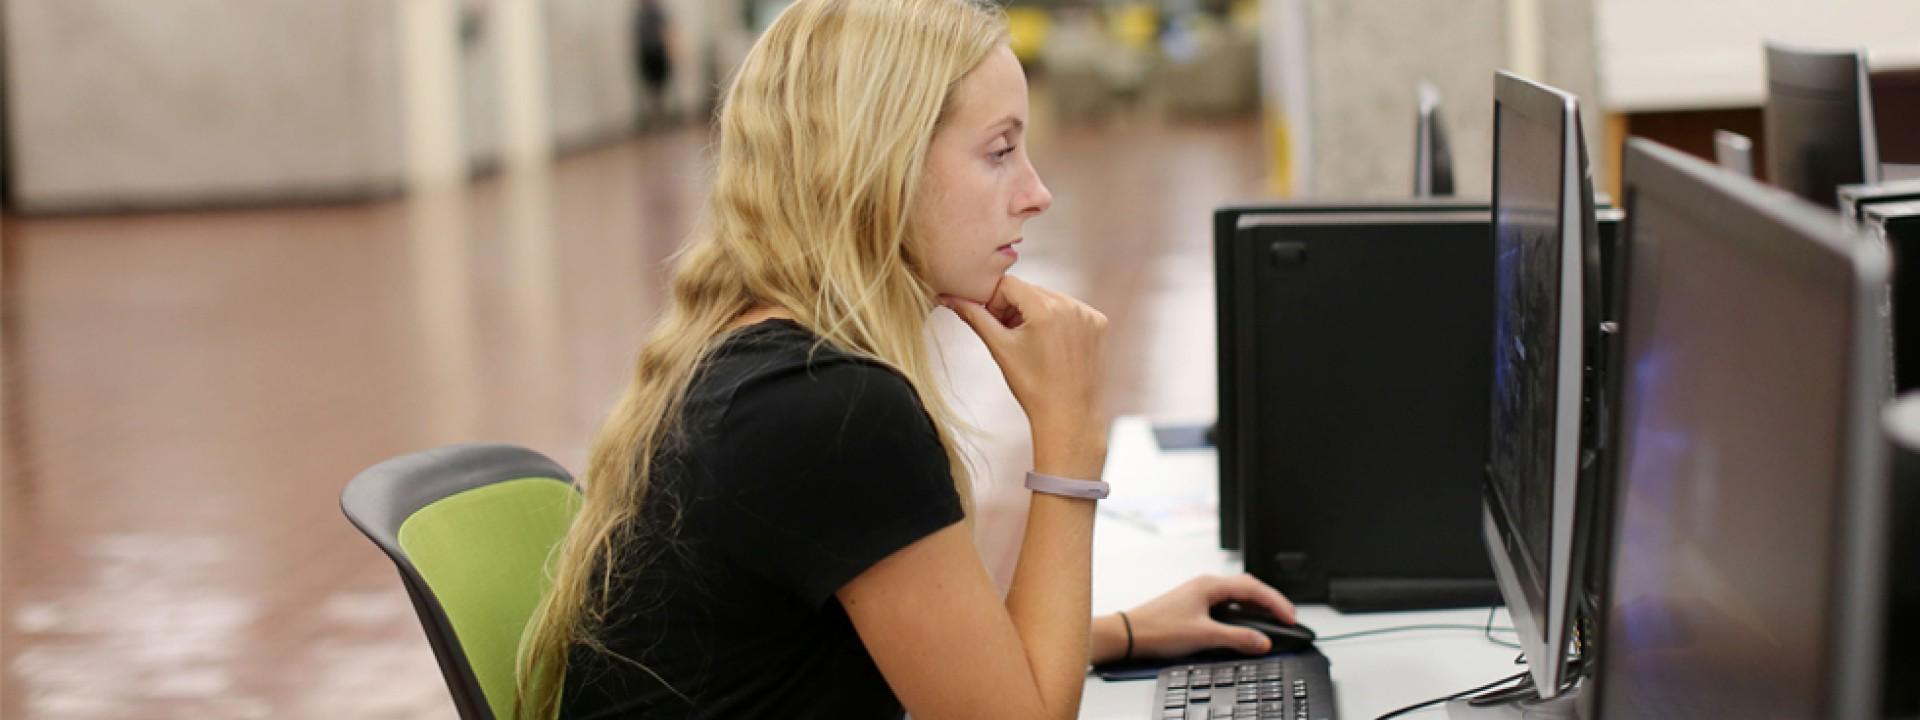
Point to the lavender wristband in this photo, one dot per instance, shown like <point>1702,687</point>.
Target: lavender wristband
<point>1083,489</point>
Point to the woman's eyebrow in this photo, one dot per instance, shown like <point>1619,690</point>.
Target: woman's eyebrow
<point>1006,123</point>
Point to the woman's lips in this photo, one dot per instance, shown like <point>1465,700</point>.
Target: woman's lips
<point>1009,251</point>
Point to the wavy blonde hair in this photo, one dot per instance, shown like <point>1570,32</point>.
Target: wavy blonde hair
<point>824,133</point>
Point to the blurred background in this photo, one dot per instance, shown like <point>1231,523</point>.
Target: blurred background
<point>250,247</point>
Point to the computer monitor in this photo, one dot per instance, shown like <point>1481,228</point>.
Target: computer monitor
<point>1432,160</point>
<point>1546,325</point>
<point>1819,121</point>
<point>1749,505</point>
<point>1733,151</point>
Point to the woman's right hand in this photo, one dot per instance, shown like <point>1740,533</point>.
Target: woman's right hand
<point>1052,350</point>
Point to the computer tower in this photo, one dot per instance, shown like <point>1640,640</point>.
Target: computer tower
<point>1854,199</point>
<point>1901,654</point>
<point>1227,237</point>
<point>1362,361</point>
<point>1898,225</point>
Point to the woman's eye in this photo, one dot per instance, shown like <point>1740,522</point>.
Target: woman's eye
<point>1002,154</point>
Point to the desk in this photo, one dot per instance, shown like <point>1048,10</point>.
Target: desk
<point>1159,529</point>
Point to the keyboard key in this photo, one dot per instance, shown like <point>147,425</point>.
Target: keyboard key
<point>1274,689</point>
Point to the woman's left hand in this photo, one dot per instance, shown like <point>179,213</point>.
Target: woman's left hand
<point>1177,623</point>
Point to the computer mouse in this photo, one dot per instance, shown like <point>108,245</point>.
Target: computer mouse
<point>1286,638</point>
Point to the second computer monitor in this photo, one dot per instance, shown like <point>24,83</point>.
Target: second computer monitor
<point>1819,121</point>
<point>1733,151</point>
<point>1546,307</point>
<point>1750,498</point>
<point>1432,158</point>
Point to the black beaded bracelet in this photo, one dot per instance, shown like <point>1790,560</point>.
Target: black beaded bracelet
<point>1129,625</point>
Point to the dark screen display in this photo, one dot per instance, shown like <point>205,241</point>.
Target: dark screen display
<point>1526,233</point>
<point>1733,409</point>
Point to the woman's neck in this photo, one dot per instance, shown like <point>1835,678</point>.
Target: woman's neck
<point>757,315</point>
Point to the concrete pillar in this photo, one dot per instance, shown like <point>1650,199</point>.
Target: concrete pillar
<point>1365,57</point>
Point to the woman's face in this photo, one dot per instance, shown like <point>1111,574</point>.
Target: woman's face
<point>980,187</point>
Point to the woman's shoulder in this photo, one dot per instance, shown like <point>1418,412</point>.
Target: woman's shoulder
<point>781,366</point>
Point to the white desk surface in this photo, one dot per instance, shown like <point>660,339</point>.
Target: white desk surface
<point>1160,527</point>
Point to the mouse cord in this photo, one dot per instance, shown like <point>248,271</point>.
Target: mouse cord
<point>1489,629</point>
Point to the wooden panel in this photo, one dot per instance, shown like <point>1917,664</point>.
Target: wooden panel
<point>1896,115</point>
<point>1691,131</point>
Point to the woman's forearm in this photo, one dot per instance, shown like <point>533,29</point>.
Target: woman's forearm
<point>1051,596</point>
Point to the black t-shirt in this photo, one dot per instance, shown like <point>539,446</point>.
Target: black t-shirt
<point>801,467</point>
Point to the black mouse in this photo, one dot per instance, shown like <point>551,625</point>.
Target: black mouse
<point>1286,638</point>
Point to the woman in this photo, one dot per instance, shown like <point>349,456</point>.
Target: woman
<point>774,518</point>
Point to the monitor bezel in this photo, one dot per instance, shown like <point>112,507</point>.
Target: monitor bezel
<point>1545,640</point>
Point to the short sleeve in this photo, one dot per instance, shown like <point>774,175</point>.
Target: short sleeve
<point>831,468</point>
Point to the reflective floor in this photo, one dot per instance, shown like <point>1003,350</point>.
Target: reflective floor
<point>185,395</point>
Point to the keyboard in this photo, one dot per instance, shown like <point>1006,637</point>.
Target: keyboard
<point>1282,687</point>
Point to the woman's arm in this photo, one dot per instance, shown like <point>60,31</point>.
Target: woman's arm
<point>934,623</point>
<point>930,615</point>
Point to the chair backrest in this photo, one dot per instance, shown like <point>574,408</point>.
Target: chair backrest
<point>471,529</point>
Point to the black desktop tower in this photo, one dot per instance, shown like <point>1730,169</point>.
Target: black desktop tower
<point>1898,224</point>
<point>1855,199</point>
<point>1227,240</point>
<point>1902,650</point>
<point>1364,358</point>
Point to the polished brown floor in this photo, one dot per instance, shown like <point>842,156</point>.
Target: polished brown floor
<point>186,393</point>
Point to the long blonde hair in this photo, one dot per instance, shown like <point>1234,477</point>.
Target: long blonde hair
<point>823,139</point>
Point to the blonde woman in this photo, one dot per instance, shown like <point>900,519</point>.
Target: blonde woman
<point>774,518</point>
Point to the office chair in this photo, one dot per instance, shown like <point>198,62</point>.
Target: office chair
<point>470,528</point>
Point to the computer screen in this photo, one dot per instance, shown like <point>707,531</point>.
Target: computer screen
<point>1541,232</point>
<point>1753,367</point>
<point>1819,121</point>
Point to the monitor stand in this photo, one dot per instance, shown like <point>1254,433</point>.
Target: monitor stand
<point>1565,706</point>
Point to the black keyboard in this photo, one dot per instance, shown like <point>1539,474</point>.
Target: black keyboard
<point>1283,687</point>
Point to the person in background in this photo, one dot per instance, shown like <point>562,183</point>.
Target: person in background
<point>776,512</point>
<point>653,61</point>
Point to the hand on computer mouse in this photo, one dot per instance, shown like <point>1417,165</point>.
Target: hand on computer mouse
<point>1178,623</point>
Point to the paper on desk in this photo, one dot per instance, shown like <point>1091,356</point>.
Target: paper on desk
<point>1167,494</point>
<point>1185,514</point>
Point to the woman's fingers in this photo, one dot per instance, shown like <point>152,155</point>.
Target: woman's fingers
<point>1249,589</point>
<point>1050,347</point>
<point>1242,640</point>
<point>980,318</point>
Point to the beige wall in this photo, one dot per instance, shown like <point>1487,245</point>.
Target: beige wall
<point>145,103</point>
<point>1366,56</point>
<point>137,103</point>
